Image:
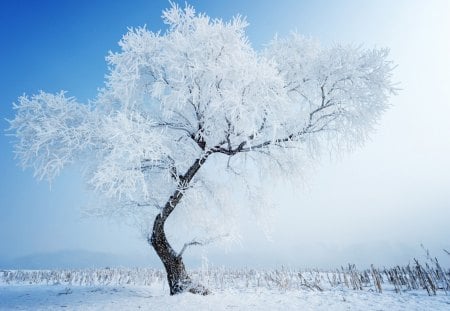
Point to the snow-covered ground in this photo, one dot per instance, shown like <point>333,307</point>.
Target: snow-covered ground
<point>60,297</point>
<point>243,289</point>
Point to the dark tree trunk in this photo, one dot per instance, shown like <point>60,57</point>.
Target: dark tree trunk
<point>177,277</point>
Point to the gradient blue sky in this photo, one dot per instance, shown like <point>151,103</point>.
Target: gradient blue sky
<point>374,205</point>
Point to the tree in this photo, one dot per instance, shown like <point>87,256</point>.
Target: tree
<point>189,113</point>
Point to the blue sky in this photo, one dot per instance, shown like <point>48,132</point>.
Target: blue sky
<point>374,205</point>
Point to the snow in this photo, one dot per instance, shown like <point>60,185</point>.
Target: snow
<point>244,289</point>
<point>61,297</point>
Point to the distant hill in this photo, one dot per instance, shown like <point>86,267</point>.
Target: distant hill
<point>76,259</point>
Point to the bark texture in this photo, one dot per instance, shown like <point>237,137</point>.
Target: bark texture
<point>177,277</point>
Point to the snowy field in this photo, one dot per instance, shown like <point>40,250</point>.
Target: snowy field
<point>245,289</point>
<point>57,297</point>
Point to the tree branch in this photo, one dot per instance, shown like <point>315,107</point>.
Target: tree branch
<point>186,245</point>
<point>201,243</point>
<point>175,126</point>
<point>183,183</point>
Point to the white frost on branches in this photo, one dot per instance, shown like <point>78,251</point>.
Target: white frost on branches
<point>52,131</point>
<point>200,91</point>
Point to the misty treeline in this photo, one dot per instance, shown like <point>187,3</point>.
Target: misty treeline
<point>428,276</point>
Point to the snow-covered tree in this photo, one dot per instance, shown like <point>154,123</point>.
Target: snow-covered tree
<point>194,119</point>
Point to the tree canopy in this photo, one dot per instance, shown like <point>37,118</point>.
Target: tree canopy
<point>199,93</point>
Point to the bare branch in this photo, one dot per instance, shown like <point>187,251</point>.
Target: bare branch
<point>186,245</point>
<point>201,243</point>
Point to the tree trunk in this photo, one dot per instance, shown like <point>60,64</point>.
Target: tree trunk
<point>177,277</point>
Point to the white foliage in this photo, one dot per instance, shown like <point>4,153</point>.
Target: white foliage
<point>128,146</point>
<point>52,130</point>
<point>200,91</point>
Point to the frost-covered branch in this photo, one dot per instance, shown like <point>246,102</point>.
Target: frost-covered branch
<point>51,131</point>
<point>199,242</point>
<point>196,92</point>
<point>186,245</point>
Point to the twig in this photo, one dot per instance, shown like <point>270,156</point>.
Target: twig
<point>185,246</point>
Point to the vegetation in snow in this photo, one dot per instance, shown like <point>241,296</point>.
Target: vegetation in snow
<point>429,277</point>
